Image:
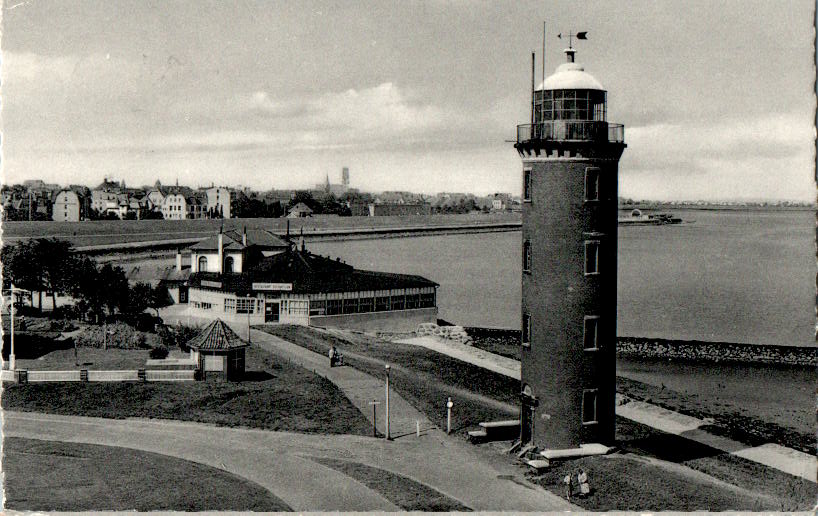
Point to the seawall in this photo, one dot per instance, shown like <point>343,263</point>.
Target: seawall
<point>691,351</point>
<point>316,235</point>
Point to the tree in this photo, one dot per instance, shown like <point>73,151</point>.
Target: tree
<point>115,287</point>
<point>19,267</point>
<point>56,260</point>
<point>139,298</point>
<point>87,288</point>
<point>153,215</point>
<point>40,265</point>
<point>302,196</point>
<point>159,298</point>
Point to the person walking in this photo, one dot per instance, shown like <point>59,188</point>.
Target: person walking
<point>569,486</point>
<point>584,485</point>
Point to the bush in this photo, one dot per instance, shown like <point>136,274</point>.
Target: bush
<point>159,353</point>
<point>119,335</point>
<point>179,335</point>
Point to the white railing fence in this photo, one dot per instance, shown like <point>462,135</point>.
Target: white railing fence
<point>36,376</point>
<point>53,376</point>
<point>113,376</point>
<point>170,375</point>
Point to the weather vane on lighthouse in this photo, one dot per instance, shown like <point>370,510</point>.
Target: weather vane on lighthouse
<point>578,35</point>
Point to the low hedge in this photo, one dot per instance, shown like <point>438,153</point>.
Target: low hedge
<point>119,335</point>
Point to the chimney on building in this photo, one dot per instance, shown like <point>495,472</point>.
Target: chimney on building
<point>178,260</point>
<point>244,237</point>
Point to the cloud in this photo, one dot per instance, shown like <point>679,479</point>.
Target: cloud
<point>380,111</point>
<point>685,146</point>
<point>763,157</point>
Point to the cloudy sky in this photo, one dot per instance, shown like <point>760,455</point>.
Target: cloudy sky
<point>716,97</point>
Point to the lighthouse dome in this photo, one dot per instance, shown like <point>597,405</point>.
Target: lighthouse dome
<point>571,76</point>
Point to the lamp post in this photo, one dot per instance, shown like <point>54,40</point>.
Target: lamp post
<point>11,351</point>
<point>388,436</point>
<point>249,309</point>
<point>449,406</point>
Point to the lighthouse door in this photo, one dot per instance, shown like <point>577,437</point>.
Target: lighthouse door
<point>528,406</point>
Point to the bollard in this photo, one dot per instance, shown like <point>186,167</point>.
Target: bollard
<point>449,416</point>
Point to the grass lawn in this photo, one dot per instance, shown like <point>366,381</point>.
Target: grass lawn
<point>423,377</point>
<point>728,422</point>
<point>89,358</point>
<point>506,344</point>
<point>404,492</point>
<point>119,231</point>
<point>275,395</point>
<point>59,476</point>
<point>657,471</point>
<point>654,470</point>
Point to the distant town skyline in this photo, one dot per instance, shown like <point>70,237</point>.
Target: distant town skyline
<point>717,98</point>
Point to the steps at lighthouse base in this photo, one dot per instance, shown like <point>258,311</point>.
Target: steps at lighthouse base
<point>584,450</point>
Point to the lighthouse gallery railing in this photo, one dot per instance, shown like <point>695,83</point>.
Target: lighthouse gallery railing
<point>572,130</point>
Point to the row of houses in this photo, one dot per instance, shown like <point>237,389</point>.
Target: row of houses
<point>35,200</point>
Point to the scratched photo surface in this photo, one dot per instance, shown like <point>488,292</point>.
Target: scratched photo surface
<point>408,256</point>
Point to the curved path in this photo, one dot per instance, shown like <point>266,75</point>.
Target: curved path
<point>281,462</point>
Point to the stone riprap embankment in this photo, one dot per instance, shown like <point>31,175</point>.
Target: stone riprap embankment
<point>693,351</point>
<point>699,351</point>
<point>453,333</point>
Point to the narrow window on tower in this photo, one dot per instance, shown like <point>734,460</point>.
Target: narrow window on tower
<point>526,256</point>
<point>591,257</point>
<point>589,406</point>
<point>592,184</point>
<point>527,185</point>
<point>590,333</point>
<point>526,329</point>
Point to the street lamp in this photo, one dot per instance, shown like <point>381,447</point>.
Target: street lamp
<point>388,436</point>
<point>11,351</point>
<point>449,406</point>
<point>249,339</point>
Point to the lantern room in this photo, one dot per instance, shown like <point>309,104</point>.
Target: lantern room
<point>570,93</point>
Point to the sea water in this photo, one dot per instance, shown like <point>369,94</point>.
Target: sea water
<point>735,276</point>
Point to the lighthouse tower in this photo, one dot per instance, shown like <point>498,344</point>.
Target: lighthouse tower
<point>570,155</point>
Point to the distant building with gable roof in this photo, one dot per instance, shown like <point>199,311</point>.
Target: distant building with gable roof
<point>300,211</point>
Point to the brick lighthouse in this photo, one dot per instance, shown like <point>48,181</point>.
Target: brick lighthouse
<point>570,156</point>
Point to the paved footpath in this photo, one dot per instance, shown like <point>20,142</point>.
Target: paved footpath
<point>283,462</point>
<point>361,388</point>
<point>446,463</point>
<point>790,461</point>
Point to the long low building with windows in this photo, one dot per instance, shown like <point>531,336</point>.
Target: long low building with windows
<point>295,286</point>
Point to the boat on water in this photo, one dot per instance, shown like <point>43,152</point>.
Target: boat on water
<point>637,218</point>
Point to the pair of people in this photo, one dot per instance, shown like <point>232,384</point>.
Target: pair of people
<point>335,358</point>
<point>582,480</point>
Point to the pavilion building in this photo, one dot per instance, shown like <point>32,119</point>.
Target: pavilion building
<point>257,279</point>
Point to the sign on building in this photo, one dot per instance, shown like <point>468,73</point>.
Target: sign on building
<point>273,286</point>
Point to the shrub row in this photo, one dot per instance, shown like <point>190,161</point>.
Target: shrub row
<point>117,335</point>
